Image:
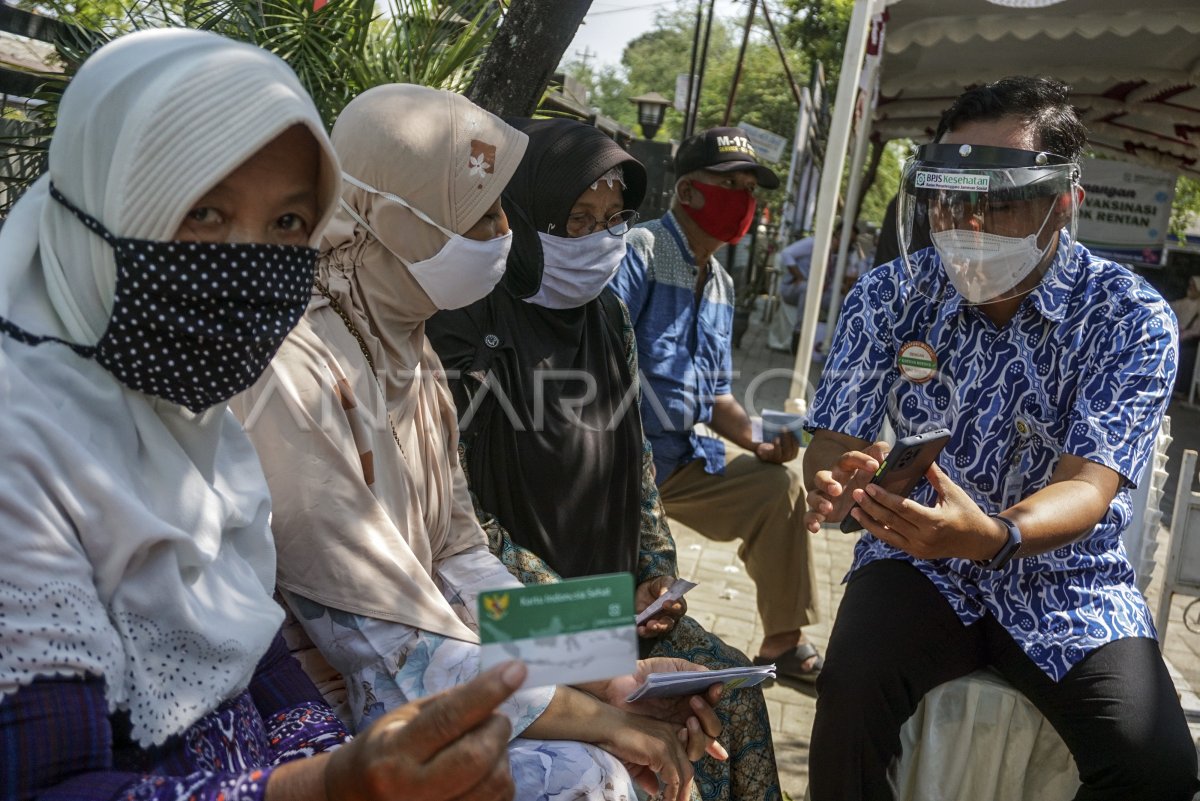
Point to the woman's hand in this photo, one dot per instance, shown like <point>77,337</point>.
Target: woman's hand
<point>662,623</point>
<point>653,751</point>
<point>955,527</point>
<point>453,745</point>
<point>693,712</point>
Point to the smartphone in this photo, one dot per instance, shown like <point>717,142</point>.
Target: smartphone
<point>904,467</point>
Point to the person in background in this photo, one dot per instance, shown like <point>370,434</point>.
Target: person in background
<point>149,276</point>
<point>887,247</point>
<point>680,300</point>
<point>380,555</point>
<point>1187,312</point>
<point>1051,369</point>
<point>545,380</point>
<point>794,260</point>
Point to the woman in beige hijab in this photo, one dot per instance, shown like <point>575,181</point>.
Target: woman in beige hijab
<point>380,554</point>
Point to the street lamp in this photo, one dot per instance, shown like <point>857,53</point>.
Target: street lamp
<point>651,109</point>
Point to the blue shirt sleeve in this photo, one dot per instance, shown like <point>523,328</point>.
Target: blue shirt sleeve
<point>861,368</point>
<point>1121,399</point>
<point>632,281</point>
<point>724,383</point>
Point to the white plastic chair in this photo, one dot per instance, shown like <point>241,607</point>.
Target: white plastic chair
<point>978,738</point>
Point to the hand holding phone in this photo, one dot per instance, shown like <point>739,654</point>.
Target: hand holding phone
<point>904,467</point>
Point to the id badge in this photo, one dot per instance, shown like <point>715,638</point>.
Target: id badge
<point>1014,480</point>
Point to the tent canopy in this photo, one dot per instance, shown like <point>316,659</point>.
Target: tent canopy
<point>1134,68</point>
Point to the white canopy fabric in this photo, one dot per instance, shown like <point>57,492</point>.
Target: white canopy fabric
<point>1134,67</point>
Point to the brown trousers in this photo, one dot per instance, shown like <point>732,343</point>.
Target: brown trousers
<point>763,505</point>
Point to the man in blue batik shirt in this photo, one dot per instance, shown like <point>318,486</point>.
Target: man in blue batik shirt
<point>1052,370</point>
<point>681,302</point>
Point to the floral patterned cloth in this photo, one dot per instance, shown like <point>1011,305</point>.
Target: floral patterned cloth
<point>386,665</point>
<point>59,741</point>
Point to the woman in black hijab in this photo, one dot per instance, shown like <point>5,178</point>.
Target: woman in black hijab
<point>544,374</point>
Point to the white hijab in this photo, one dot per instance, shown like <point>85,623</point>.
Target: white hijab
<point>135,533</point>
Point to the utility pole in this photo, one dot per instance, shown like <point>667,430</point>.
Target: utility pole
<point>691,85</point>
<point>691,128</point>
<point>587,55</point>
<point>737,72</point>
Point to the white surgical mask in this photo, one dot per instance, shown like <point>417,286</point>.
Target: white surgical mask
<point>577,270</point>
<point>984,267</point>
<point>459,274</point>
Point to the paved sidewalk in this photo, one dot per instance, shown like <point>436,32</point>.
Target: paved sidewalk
<point>724,601</point>
<point>724,604</point>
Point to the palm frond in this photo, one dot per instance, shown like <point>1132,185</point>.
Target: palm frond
<point>337,51</point>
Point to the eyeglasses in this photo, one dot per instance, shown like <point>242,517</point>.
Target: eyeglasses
<point>583,224</point>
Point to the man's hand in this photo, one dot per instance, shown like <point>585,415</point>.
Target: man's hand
<point>783,448</point>
<point>955,527</point>
<point>453,745</point>
<point>831,494</point>
<point>662,623</point>
<point>695,712</point>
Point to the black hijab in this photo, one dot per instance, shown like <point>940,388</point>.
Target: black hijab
<point>563,479</point>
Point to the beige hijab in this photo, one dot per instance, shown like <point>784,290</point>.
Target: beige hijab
<point>375,554</point>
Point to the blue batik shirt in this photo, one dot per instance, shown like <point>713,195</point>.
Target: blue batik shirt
<point>1085,367</point>
<point>684,346</point>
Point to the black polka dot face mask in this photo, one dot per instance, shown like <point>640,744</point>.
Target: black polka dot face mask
<point>194,323</point>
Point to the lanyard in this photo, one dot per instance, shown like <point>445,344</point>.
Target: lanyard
<point>1014,480</point>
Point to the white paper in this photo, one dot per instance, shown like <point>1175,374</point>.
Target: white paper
<point>775,423</point>
<point>660,685</point>
<point>680,588</point>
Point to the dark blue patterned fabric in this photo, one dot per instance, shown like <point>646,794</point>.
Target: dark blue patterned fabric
<point>1085,368</point>
<point>58,741</point>
<point>685,348</point>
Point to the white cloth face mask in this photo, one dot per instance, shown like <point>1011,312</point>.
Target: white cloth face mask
<point>576,271</point>
<point>459,274</point>
<point>983,267</point>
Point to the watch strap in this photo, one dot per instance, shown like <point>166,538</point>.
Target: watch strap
<point>1010,547</point>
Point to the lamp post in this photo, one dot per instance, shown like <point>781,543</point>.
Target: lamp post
<point>651,109</point>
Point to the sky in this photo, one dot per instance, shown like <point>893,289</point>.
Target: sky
<point>611,24</point>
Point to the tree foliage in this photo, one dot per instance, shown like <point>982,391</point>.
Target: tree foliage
<point>337,51</point>
<point>817,29</point>
<point>517,68</point>
<point>1186,210</point>
<point>813,31</point>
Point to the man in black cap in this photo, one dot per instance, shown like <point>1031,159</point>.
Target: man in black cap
<point>680,299</point>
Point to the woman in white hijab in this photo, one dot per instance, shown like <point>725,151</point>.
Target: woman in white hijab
<point>380,554</point>
<point>148,277</point>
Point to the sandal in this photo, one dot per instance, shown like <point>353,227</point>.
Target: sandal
<point>790,664</point>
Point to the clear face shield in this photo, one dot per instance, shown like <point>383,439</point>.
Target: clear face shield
<point>996,216</point>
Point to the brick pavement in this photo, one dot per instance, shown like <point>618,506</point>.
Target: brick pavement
<point>724,600</point>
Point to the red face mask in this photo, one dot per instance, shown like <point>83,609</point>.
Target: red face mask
<point>727,213</point>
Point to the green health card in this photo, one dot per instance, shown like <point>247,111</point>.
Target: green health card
<point>575,631</point>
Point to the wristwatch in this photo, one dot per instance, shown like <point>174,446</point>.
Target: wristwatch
<point>1010,547</point>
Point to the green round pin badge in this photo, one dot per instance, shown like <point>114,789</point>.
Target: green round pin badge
<point>917,362</point>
